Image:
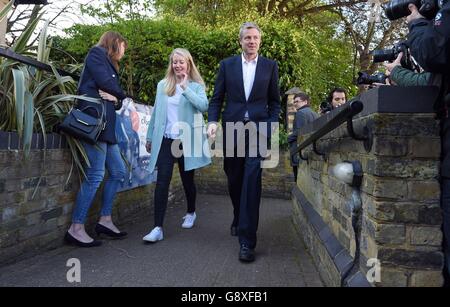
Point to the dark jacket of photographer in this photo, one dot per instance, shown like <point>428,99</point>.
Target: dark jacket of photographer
<point>429,42</point>
<point>303,116</point>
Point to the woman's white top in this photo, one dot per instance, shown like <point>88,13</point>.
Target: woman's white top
<point>172,126</point>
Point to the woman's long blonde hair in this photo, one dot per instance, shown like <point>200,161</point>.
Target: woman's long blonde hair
<point>171,79</point>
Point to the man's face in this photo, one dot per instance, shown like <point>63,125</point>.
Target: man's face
<point>250,41</point>
<point>298,103</point>
<point>338,99</point>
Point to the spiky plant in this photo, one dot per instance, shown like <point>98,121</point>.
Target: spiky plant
<point>33,100</point>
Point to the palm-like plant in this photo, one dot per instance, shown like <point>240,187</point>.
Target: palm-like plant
<point>33,100</point>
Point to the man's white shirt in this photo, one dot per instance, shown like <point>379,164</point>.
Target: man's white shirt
<point>248,75</point>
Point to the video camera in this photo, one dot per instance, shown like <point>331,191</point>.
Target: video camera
<point>325,107</point>
<point>365,78</point>
<point>396,9</point>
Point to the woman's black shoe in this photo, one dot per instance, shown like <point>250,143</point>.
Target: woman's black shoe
<point>71,240</point>
<point>100,229</point>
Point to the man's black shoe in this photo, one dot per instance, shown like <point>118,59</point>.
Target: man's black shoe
<point>246,254</point>
<point>234,231</point>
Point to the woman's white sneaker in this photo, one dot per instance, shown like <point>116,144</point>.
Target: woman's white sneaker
<point>189,220</point>
<point>155,235</point>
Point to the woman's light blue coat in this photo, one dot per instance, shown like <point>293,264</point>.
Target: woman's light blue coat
<point>193,103</point>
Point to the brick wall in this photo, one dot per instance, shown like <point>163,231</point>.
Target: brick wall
<point>33,219</point>
<point>401,216</point>
<point>31,223</point>
<point>276,182</point>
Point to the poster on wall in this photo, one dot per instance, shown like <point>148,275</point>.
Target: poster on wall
<point>131,131</point>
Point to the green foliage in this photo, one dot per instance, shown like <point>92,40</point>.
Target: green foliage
<point>118,10</point>
<point>314,59</point>
<point>33,100</point>
<point>211,12</point>
<point>283,138</point>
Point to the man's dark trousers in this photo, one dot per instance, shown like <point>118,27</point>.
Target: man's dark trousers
<point>244,184</point>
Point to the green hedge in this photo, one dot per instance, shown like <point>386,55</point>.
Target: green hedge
<point>314,59</point>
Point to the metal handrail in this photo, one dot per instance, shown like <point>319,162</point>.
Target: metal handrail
<point>345,115</point>
<point>8,53</point>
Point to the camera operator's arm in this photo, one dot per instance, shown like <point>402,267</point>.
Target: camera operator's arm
<point>403,76</point>
<point>430,41</point>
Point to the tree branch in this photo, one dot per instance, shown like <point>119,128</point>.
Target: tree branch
<point>327,7</point>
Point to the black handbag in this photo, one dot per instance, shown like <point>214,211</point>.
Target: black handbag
<point>83,126</point>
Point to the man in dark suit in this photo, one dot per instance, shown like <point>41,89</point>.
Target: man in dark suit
<point>249,84</point>
<point>303,116</point>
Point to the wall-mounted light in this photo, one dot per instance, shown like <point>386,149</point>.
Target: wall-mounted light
<point>349,172</point>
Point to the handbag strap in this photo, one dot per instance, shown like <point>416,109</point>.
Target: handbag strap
<point>102,116</point>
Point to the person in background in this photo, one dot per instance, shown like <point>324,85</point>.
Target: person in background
<point>303,116</point>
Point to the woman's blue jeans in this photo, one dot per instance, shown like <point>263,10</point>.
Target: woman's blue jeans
<point>101,156</point>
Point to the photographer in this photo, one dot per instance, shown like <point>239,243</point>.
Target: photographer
<point>429,41</point>
<point>336,98</point>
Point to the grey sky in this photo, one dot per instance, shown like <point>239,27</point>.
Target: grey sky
<point>65,20</point>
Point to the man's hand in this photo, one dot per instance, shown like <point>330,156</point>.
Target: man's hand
<point>148,146</point>
<point>414,13</point>
<point>212,129</point>
<point>390,66</point>
<point>377,84</point>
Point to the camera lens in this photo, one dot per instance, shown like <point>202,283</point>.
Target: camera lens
<point>383,55</point>
<point>396,9</point>
<point>365,78</point>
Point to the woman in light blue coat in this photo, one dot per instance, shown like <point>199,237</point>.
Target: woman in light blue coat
<point>176,134</point>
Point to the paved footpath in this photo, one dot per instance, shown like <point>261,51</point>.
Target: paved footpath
<point>204,256</point>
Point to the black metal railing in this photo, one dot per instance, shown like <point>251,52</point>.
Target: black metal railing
<point>347,113</point>
<point>8,53</point>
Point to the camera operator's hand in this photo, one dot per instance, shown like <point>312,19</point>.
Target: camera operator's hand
<point>414,13</point>
<point>390,66</point>
<point>376,84</point>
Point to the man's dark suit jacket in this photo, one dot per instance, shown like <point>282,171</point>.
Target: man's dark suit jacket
<point>304,116</point>
<point>263,104</point>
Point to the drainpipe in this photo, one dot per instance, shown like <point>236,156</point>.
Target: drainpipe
<point>356,212</point>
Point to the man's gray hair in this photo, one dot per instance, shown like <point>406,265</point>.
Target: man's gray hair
<point>248,25</point>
